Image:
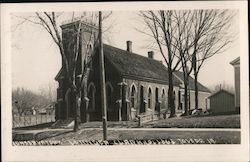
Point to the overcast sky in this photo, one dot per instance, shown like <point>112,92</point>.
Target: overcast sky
<point>36,59</point>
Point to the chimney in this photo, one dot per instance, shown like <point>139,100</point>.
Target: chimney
<point>151,54</point>
<point>129,46</point>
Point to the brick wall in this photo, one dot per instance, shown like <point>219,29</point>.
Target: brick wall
<point>152,86</point>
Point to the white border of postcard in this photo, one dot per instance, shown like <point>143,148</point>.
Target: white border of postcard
<point>234,152</point>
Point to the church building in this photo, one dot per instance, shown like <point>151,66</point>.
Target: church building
<point>135,84</point>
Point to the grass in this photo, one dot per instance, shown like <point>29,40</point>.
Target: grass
<point>222,121</point>
<point>91,131</point>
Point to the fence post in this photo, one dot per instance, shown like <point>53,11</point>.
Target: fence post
<point>139,121</point>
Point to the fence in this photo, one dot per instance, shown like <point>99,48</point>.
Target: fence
<point>31,120</point>
<point>150,117</point>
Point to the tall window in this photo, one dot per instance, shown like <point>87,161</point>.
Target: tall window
<point>109,96</point>
<point>89,48</point>
<point>156,99</point>
<point>132,97</point>
<point>163,96</point>
<point>91,96</point>
<point>149,98</point>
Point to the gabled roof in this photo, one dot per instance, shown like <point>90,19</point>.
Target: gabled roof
<point>59,74</point>
<point>137,66</point>
<point>201,87</point>
<point>235,61</point>
<point>221,91</point>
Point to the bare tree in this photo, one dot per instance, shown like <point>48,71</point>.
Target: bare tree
<point>211,35</point>
<point>189,37</point>
<point>48,91</point>
<point>184,20</point>
<point>163,29</point>
<point>77,79</point>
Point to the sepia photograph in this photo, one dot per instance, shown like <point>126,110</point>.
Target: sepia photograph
<point>149,76</point>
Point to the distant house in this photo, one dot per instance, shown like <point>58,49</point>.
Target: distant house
<point>222,102</point>
<point>135,85</point>
<point>236,65</point>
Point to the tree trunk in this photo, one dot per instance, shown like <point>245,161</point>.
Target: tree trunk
<point>77,112</point>
<point>85,96</point>
<point>194,64</point>
<point>171,94</point>
<point>186,82</point>
<point>196,90</point>
<point>186,95</point>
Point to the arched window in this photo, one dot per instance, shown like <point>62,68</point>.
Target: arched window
<point>109,90</point>
<point>163,95</point>
<point>149,98</point>
<point>89,48</point>
<point>91,96</point>
<point>163,98</point>
<point>156,98</point>
<point>132,100</point>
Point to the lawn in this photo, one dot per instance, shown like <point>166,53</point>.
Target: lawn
<point>220,121</point>
<point>126,131</point>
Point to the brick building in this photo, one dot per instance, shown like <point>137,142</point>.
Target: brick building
<point>135,85</point>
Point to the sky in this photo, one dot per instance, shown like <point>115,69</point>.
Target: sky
<point>36,59</point>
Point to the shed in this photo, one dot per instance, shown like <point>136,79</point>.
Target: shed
<point>222,102</point>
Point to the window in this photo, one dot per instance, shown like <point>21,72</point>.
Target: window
<point>142,107</point>
<point>132,100</point>
<point>91,96</point>
<point>149,98</point>
<point>89,49</point>
<point>156,99</point>
<point>163,96</point>
<point>109,96</point>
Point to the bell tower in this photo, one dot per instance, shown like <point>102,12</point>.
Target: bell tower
<point>87,41</point>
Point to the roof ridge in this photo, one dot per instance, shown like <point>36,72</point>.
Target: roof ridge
<point>133,53</point>
<point>221,90</point>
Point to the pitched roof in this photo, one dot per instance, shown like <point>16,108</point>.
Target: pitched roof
<point>235,61</point>
<point>201,87</point>
<point>134,65</point>
<point>140,67</point>
<point>221,91</point>
<point>59,74</point>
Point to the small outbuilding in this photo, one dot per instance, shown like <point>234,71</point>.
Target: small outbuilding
<point>222,102</point>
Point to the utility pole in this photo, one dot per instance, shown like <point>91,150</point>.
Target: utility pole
<point>102,79</point>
